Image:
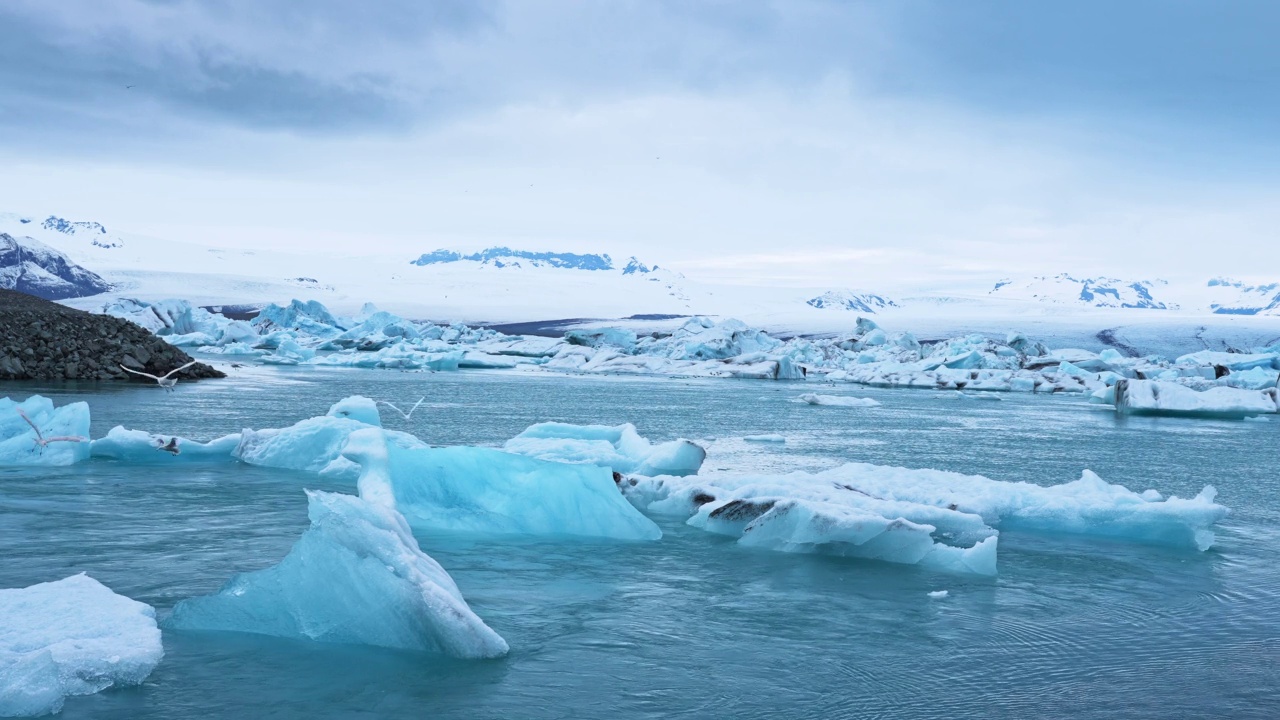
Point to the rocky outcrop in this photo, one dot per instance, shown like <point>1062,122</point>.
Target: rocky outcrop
<point>31,267</point>
<point>41,340</point>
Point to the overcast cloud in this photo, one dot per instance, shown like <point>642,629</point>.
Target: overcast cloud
<point>870,144</point>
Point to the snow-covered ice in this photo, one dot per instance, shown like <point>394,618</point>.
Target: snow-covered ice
<point>139,447</point>
<point>838,400</point>
<point>482,490</point>
<point>938,519</point>
<point>71,637</point>
<point>619,448</point>
<point>356,576</point>
<point>1153,397</point>
<point>939,594</point>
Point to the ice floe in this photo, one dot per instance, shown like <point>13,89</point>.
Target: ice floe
<point>71,637</point>
<point>838,400</point>
<point>356,576</point>
<point>1153,397</point>
<point>34,432</point>
<point>142,448</point>
<point>619,448</point>
<point>482,490</point>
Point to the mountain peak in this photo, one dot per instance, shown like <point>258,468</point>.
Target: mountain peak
<point>850,300</point>
<point>504,257</point>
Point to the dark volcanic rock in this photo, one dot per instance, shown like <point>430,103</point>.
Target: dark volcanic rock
<point>41,340</point>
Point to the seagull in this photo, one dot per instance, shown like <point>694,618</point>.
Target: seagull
<point>403,414</point>
<point>167,382</point>
<point>171,447</point>
<point>41,441</point>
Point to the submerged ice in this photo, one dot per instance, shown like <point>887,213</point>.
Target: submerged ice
<point>356,576</point>
<point>71,637</point>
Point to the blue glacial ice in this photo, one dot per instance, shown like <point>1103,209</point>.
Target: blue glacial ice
<point>316,444</point>
<point>838,400</point>
<point>356,576</point>
<point>482,490</point>
<point>20,444</point>
<point>938,519</point>
<point>618,447</point>
<point>139,447</point>
<point>71,637</point>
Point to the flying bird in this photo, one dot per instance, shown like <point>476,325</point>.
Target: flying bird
<point>403,414</point>
<point>171,447</point>
<point>41,441</point>
<point>167,382</point>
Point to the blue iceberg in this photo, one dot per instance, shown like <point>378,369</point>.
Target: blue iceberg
<point>468,489</point>
<point>356,576</point>
<point>34,432</point>
<point>619,448</point>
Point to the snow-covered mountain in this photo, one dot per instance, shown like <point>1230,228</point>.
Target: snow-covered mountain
<point>1232,297</point>
<point>850,300</point>
<point>1100,292</point>
<point>505,257</point>
<point>65,234</point>
<point>30,266</point>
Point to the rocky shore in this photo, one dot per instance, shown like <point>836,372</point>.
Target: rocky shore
<point>42,340</point>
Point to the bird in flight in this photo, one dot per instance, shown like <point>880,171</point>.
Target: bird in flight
<point>41,441</point>
<point>168,381</point>
<point>403,414</point>
<point>171,447</point>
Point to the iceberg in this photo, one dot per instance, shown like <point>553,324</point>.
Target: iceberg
<point>619,448</point>
<point>316,444</point>
<point>71,637</point>
<point>838,400</point>
<point>766,438</point>
<point>356,576</point>
<point>60,435</point>
<point>482,490</point>
<point>1155,397</point>
<point>900,515</point>
<point>139,447</point>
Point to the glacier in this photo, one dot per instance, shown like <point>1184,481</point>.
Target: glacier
<point>19,443</point>
<point>356,576</point>
<point>619,448</point>
<point>71,637</point>
<point>482,490</point>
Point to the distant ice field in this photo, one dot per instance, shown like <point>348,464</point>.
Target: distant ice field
<point>694,624</point>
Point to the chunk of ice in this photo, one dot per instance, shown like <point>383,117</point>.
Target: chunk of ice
<point>71,637</point>
<point>18,441</point>
<point>356,576</point>
<point>619,448</point>
<point>483,490</point>
<point>838,400</point>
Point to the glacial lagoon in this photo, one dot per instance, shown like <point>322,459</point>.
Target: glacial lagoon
<point>693,624</point>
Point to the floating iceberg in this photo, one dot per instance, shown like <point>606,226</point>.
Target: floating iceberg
<point>1153,397</point>
<point>356,576</point>
<point>139,447</point>
<point>71,637</point>
<point>60,435</point>
<point>316,444</point>
<point>483,490</point>
<point>838,400</point>
<point>767,438</point>
<point>619,448</point>
<point>937,519</point>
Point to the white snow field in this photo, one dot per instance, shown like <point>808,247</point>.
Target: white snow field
<point>20,443</point>
<point>356,576</point>
<point>71,637</point>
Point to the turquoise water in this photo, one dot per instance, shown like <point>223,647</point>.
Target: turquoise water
<point>692,625</point>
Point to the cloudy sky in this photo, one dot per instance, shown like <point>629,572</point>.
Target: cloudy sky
<point>874,144</point>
